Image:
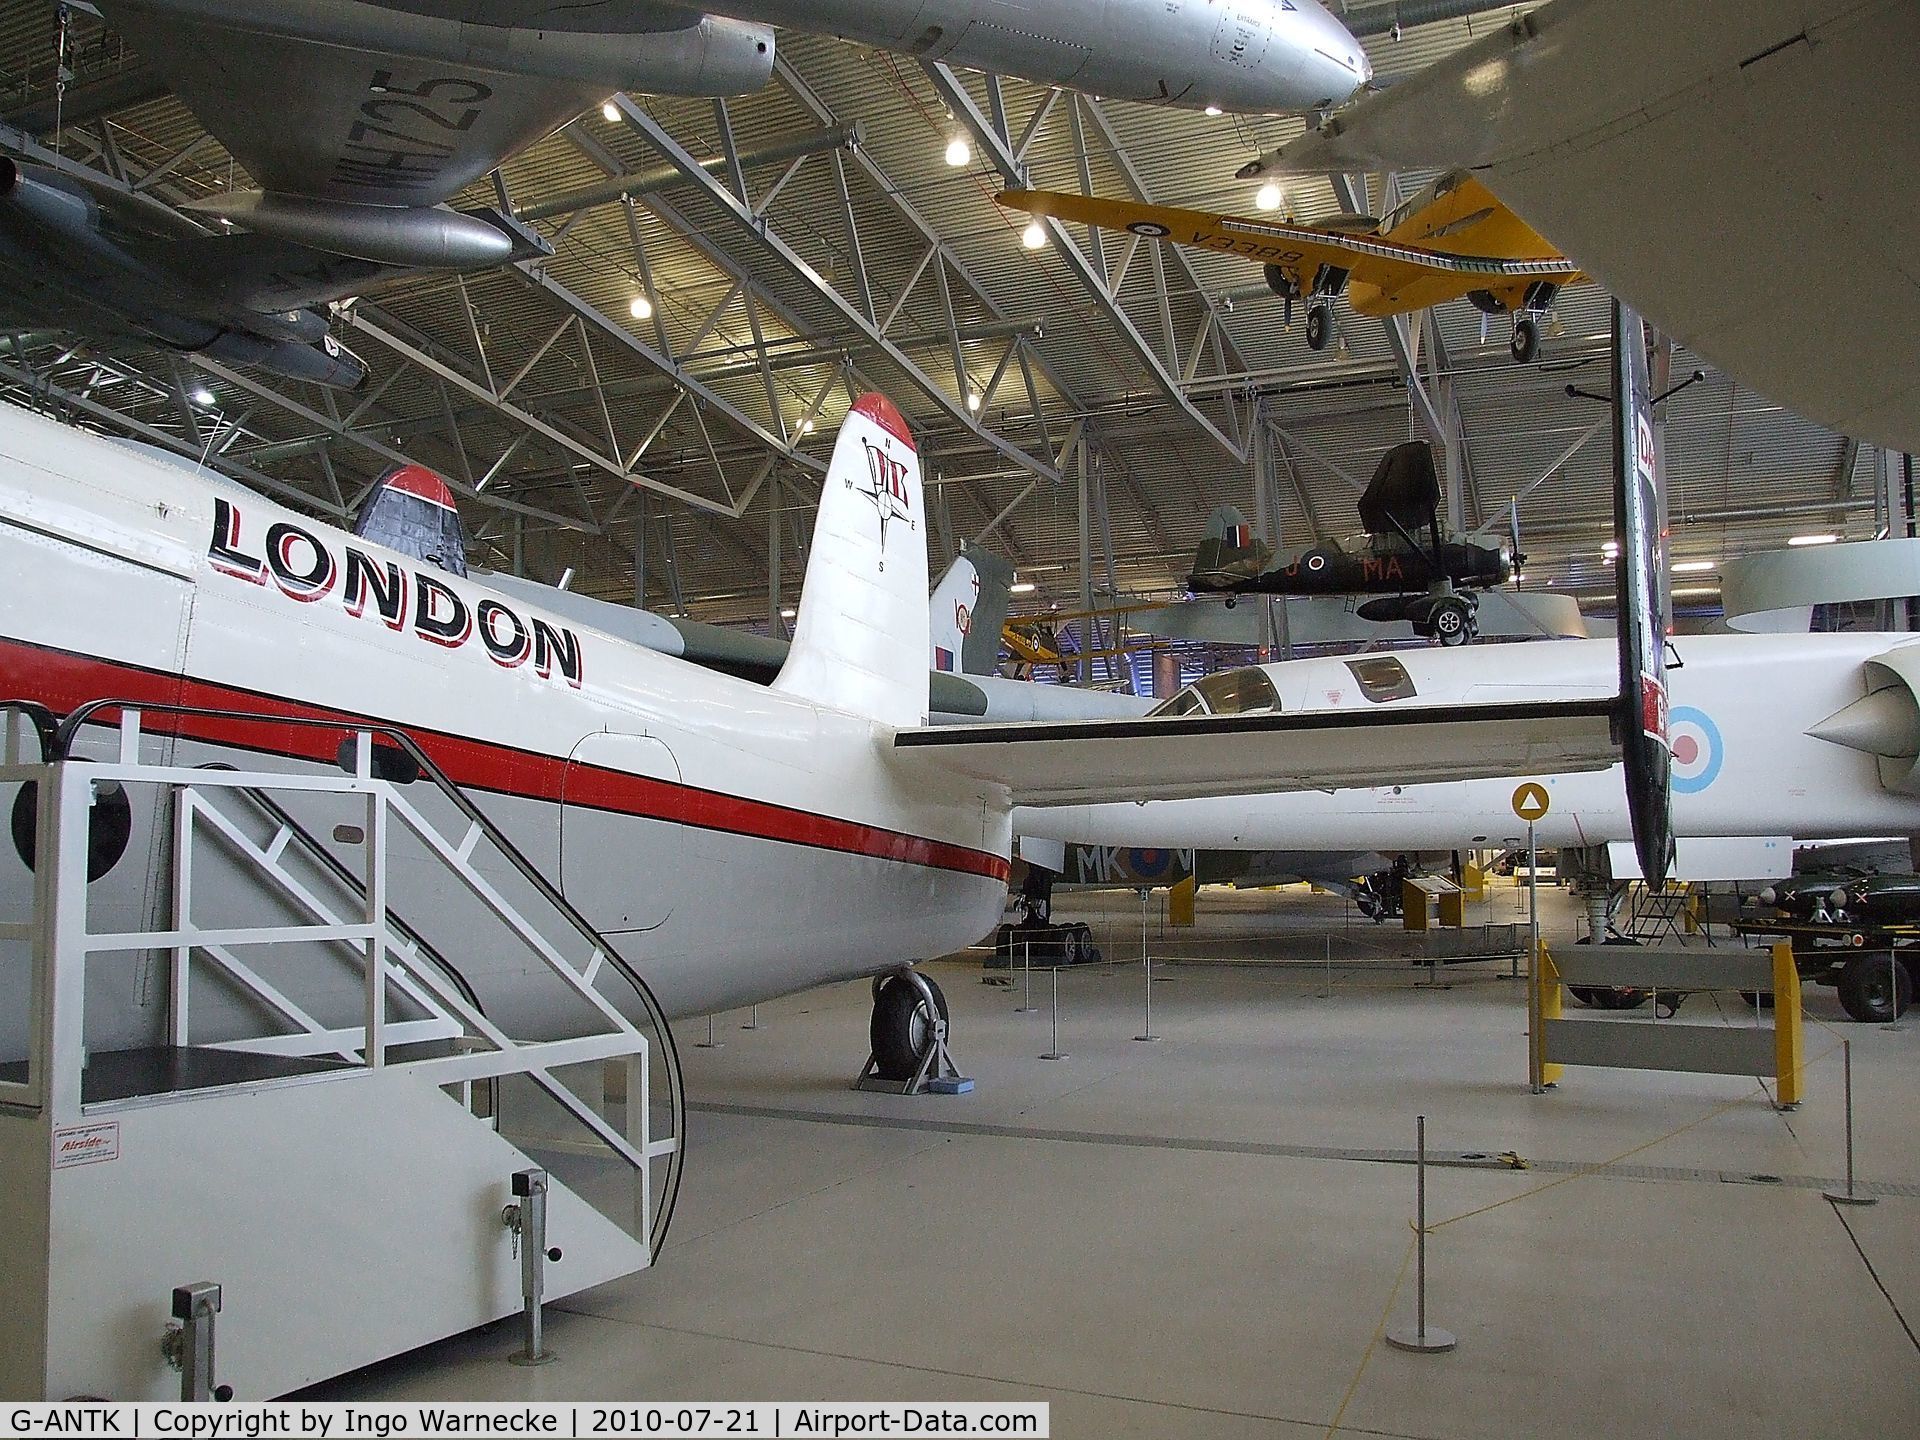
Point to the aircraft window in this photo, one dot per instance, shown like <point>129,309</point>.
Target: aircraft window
<point>1187,702</point>
<point>1382,678</point>
<point>1239,692</point>
<point>1231,692</point>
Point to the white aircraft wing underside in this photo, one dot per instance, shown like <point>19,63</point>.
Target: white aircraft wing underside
<point>1183,757</point>
<point>1739,170</point>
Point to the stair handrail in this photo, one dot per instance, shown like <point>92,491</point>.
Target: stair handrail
<point>69,727</point>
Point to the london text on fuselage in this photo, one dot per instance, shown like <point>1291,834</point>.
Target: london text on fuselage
<point>303,568</point>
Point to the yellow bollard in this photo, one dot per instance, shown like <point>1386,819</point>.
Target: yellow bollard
<point>1789,1048</point>
<point>1180,904</point>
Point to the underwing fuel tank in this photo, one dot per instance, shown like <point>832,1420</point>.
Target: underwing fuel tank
<point>427,237</point>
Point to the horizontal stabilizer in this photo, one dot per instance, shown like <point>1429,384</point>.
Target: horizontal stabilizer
<point>1183,757</point>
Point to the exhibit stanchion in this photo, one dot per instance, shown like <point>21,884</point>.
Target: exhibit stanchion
<point>1533,904</point>
<point>1146,967</point>
<point>1847,1197</point>
<point>1422,1338</point>
<point>1025,1007</point>
<point>1056,1053</point>
<point>1327,994</point>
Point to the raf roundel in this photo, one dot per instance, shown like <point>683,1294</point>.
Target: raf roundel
<point>1698,751</point>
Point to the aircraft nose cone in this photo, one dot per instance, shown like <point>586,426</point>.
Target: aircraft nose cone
<point>1338,59</point>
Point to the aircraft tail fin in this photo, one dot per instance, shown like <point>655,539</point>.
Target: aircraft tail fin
<point>1229,553</point>
<point>860,638</point>
<point>970,607</point>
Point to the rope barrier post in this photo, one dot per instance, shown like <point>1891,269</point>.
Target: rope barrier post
<point>1422,1339</point>
<point>1327,994</point>
<point>1025,1007</point>
<point>1146,966</point>
<point>1056,1053</point>
<point>1847,1197</point>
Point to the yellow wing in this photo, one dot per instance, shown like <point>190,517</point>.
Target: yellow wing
<point>1415,274</point>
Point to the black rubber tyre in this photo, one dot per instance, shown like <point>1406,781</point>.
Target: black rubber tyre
<point>900,1033</point>
<point>1611,997</point>
<point>1451,622</point>
<point>1318,328</point>
<point>1867,984</point>
<point>1526,340</point>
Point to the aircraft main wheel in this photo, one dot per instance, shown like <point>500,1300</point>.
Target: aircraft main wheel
<point>902,1031</point>
<point>1869,985</point>
<point>1610,997</point>
<point>1526,339</point>
<point>1451,623</point>
<point>1317,328</point>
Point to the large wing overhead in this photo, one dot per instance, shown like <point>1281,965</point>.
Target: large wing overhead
<point>1737,169</point>
<point>1181,757</point>
<point>340,123</point>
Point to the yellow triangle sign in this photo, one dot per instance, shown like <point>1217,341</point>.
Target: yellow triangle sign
<point>1530,801</point>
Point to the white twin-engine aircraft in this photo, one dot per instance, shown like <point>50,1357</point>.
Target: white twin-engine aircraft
<point>734,842</point>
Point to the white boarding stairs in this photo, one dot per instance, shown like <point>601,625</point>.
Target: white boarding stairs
<point>331,1174</point>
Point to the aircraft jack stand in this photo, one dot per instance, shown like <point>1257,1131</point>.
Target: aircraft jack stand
<point>936,1073</point>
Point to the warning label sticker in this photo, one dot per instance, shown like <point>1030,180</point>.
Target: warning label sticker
<point>86,1144</point>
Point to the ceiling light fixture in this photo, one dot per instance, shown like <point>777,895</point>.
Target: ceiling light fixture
<point>1803,540</point>
<point>959,152</point>
<point>202,395</point>
<point>1268,197</point>
<point>974,400</point>
<point>1025,587</point>
<point>1695,567</point>
<point>1215,111</point>
<point>641,308</point>
<point>1034,237</point>
<point>610,112</point>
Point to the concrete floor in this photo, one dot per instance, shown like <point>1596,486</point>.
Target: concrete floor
<point>1203,1236</point>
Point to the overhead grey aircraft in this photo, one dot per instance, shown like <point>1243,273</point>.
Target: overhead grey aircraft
<point>359,121</point>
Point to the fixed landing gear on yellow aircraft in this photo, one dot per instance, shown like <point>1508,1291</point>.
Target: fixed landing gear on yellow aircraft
<point>1526,339</point>
<point>1319,327</point>
<point>909,1034</point>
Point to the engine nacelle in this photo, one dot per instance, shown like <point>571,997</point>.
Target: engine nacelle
<point>1885,722</point>
<point>328,363</point>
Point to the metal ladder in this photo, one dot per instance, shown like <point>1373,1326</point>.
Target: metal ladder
<point>447,1035</point>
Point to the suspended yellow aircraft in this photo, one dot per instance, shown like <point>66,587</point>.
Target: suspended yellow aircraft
<point>1453,240</point>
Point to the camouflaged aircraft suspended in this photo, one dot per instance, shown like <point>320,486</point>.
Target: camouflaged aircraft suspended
<point>1451,241</point>
<point>1419,573</point>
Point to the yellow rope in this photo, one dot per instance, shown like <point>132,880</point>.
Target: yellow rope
<point>1596,1169</point>
<point>1373,1341</point>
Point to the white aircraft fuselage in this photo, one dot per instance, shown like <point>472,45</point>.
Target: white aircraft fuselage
<point>647,785</point>
<point>1744,765</point>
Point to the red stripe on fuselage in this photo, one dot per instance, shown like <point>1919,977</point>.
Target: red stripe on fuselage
<point>64,681</point>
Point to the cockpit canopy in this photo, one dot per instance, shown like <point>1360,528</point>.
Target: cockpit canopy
<point>1231,692</point>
